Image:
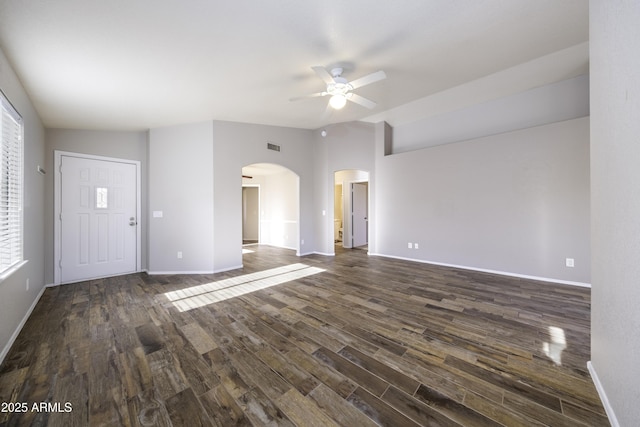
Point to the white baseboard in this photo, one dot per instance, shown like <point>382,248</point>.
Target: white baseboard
<point>88,279</point>
<point>483,270</point>
<point>603,396</point>
<point>305,253</point>
<point>172,272</point>
<point>222,270</point>
<point>324,253</point>
<point>15,334</point>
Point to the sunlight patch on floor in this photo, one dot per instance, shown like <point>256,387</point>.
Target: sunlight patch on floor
<point>558,343</point>
<point>210,293</point>
<point>247,251</point>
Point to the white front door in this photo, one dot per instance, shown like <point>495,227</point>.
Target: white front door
<point>98,218</point>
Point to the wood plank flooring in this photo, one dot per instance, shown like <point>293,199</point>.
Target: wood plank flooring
<point>350,340</point>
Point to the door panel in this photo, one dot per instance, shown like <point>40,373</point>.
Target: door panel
<point>359,213</point>
<point>98,235</point>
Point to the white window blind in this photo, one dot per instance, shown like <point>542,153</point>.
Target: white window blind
<point>10,187</point>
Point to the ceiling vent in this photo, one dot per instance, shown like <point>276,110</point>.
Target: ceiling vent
<point>273,147</point>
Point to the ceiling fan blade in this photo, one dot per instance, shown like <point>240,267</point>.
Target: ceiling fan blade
<point>354,97</point>
<point>313,95</point>
<point>323,74</point>
<point>368,79</point>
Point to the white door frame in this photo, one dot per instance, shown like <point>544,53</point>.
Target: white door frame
<point>57,208</point>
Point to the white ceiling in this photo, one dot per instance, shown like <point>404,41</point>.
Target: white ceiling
<point>138,64</point>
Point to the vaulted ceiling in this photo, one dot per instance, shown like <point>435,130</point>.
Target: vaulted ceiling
<point>138,64</point>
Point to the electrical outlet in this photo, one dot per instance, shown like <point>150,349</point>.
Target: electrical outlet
<point>410,245</point>
<point>415,246</point>
<point>569,262</point>
<point>179,254</point>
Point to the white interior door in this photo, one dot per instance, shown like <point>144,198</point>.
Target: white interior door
<point>359,214</point>
<point>98,218</point>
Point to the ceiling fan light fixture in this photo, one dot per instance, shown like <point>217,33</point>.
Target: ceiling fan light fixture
<point>339,89</point>
<point>338,101</point>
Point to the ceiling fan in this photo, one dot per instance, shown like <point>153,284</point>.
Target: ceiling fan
<point>340,89</point>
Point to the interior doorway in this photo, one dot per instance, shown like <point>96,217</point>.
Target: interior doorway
<point>351,209</point>
<point>270,206</point>
<point>250,214</point>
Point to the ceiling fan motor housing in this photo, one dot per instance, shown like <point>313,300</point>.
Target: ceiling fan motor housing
<point>340,85</point>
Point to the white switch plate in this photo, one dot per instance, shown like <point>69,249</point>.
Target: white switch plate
<point>570,262</point>
<point>157,214</point>
<point>415,246</point>
<point>410,245</point>
<point>179,254</point>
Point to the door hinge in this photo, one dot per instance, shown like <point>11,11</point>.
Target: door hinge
<point>60,263</point>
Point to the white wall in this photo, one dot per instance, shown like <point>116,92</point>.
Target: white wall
<point>279,205</point>
<point>323,190</point>
<point>551,103</point>
<point>241,144</point>
<point>513,203</point>
<point>615,204</point>
<point>15,300</point>
<point>122,145</point>
<point>346,146</point>
<point>181,187</point>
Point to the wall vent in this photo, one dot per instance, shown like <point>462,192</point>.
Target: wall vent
<point>273,147</point>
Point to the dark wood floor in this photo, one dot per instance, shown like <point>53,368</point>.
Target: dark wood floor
<point>348,340</point>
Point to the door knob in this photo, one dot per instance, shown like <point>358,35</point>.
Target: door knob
<point>132,221</point>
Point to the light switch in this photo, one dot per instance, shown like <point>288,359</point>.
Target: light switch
<point>157,214</point>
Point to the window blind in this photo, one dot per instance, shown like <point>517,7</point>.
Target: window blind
<point>10,186</point>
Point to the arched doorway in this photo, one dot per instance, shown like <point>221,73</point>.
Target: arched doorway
<point>271,206</point>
